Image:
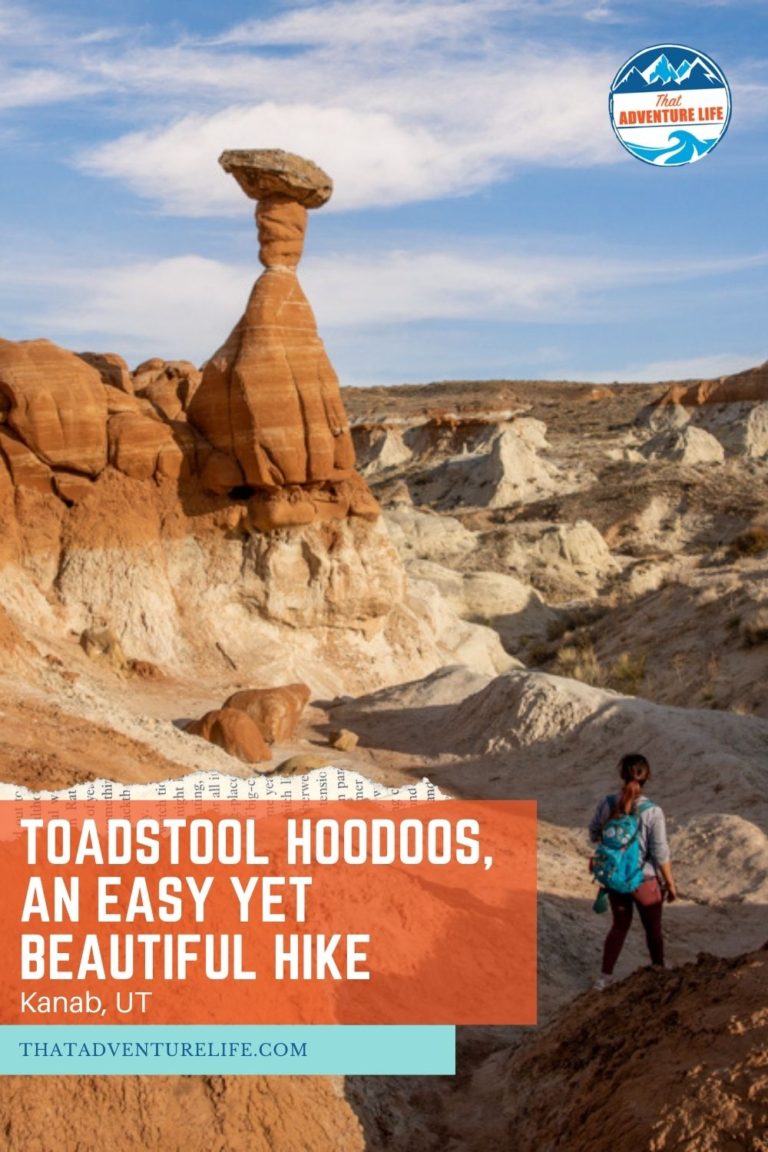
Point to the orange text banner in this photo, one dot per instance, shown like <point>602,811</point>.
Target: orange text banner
<point>265,912</point>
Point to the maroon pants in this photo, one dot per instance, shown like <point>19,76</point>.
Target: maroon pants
<point>650,901</point>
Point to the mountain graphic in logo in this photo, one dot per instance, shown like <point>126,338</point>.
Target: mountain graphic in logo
<point>661,75</point>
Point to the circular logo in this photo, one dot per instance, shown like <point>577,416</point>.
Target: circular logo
<point>669,105</point>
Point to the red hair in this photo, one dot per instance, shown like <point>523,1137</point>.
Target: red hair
<point>634,770</point>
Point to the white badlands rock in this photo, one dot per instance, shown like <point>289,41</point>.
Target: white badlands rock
<point>417,533</point>
<point>513,609</point>
<point>689,446</point>
<point>378,449</point>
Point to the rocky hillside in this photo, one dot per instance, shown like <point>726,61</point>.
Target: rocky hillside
<point>618,535</point>
<point>171,1113</point>
<point>664,1062</point>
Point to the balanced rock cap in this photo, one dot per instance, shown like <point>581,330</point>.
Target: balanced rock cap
<point>263,172</point>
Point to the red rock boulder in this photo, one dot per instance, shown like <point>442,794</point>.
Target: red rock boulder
<point>304,504</point>
<point>232,730</point>
<point>25,468</point>
<point>276,711</point>
<point>168,385</point>
<point>112,368</point>
<point>143,446</point>
<point>55,403</point>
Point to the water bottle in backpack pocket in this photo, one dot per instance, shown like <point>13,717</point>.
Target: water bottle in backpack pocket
<point>616,863</point>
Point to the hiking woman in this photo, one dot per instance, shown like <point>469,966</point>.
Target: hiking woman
<point>654,876</point>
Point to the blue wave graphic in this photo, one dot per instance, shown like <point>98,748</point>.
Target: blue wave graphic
<point>686,147</point>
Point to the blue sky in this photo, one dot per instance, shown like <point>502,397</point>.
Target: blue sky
<point>485,221</point>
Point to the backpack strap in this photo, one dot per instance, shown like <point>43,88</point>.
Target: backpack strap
<point>644,806</point>
<point>633,837</point>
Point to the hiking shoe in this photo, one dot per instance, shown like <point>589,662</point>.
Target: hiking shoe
<point>603,981</point>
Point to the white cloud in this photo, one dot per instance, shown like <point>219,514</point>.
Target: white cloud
<point>185,306</point>
<point>39,86</point>
<point>181,307</point>
<point>660,371</point>
<point>490,282</point>
<point>358,23</point>
<point>603,14</point>
<point>374,160</point>
<point>401,100</point>
<point>103,35</point>
<point>36,63</point>
<point>17,22</point>
<point>364,22</point>
<point>750,99</point>
<point>385,139</point>
<point>194,302</point>
<point>406,287</point>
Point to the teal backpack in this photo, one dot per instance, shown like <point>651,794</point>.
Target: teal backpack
<point>616,864</point>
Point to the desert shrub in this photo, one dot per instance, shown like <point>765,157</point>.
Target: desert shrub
<point>710,684</point>
<point>628,672</point>
<point>579,662</point>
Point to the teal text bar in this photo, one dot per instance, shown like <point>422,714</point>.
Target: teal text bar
<point>231,1050</point>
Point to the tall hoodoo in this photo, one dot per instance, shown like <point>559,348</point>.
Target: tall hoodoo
<point>269,400</point>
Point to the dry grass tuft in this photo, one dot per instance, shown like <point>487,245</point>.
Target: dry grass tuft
<point>580,662</point>
<point>628,673</point>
